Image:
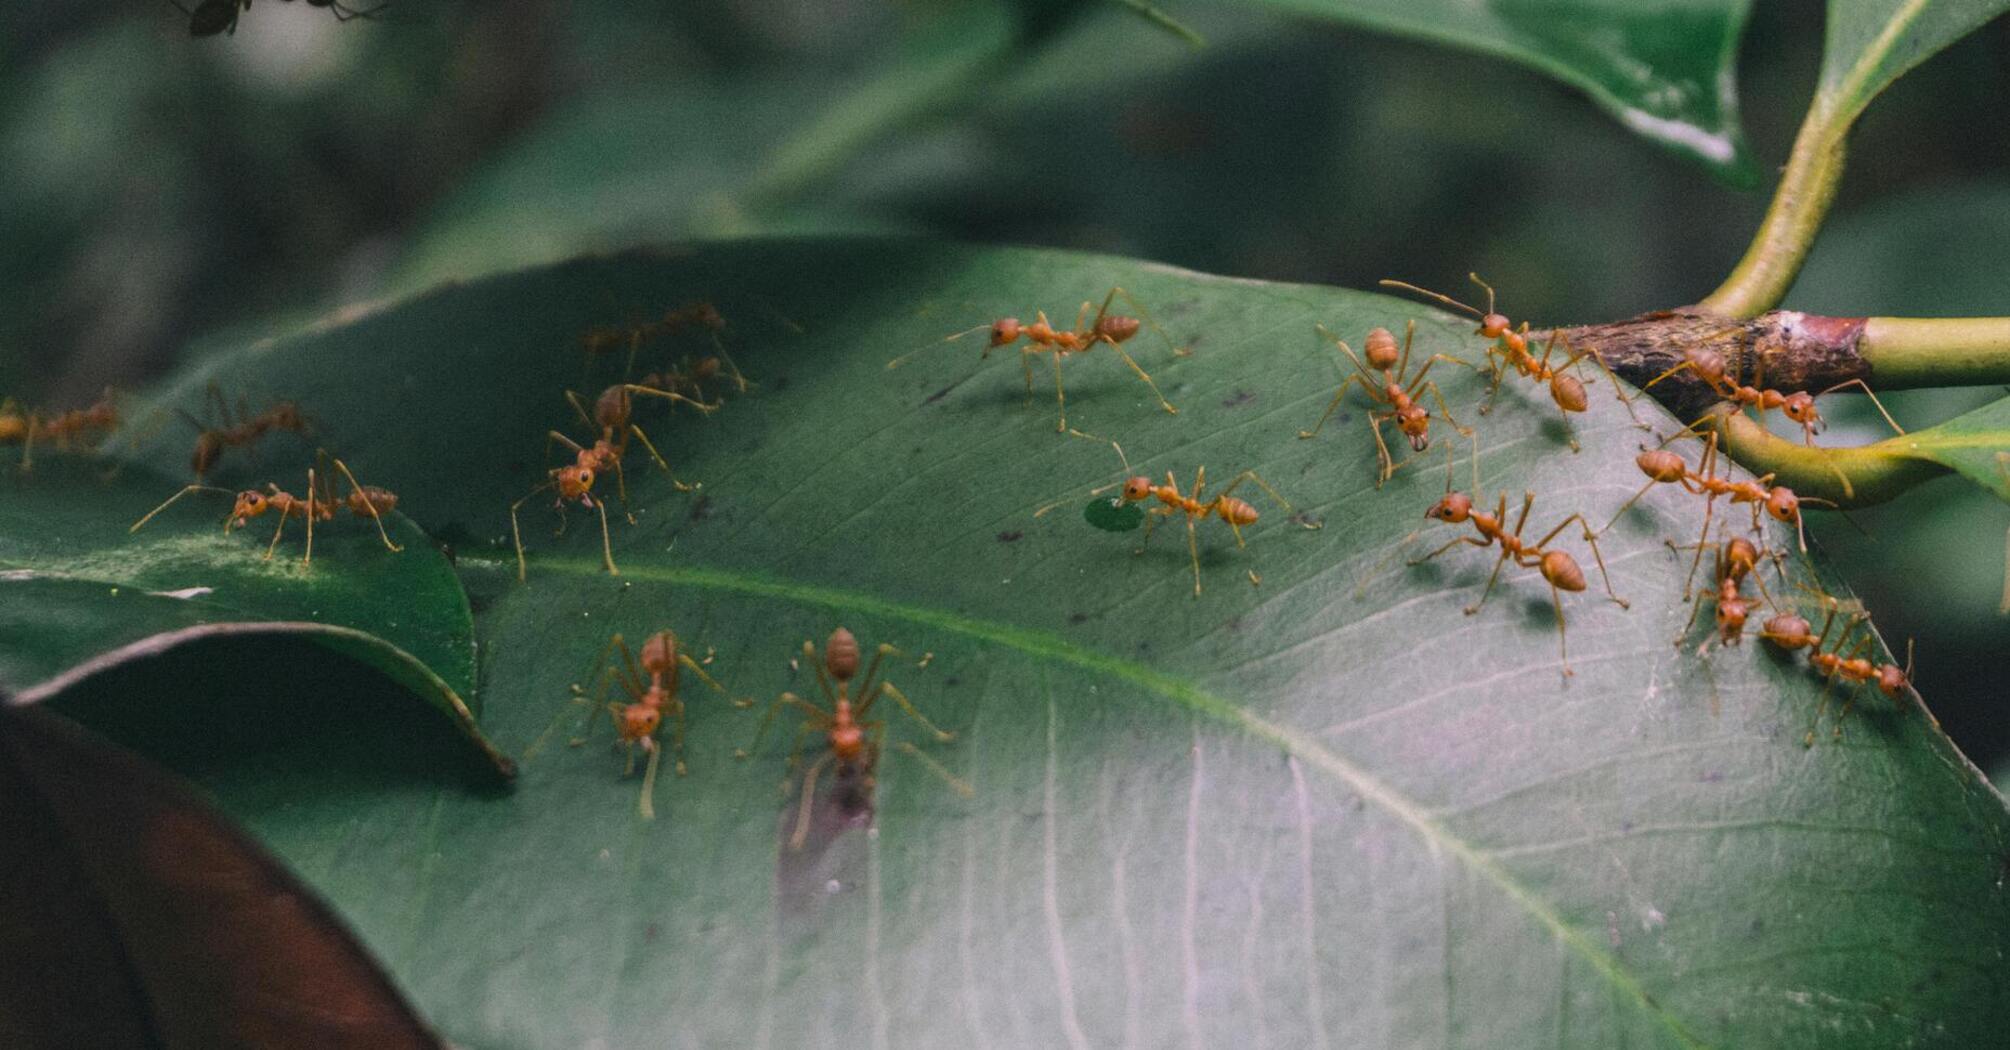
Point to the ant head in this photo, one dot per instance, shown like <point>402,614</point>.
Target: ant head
<point>250,504</point>
<point>1116,328</point>
<point>1455,508</point>
<point>1783,505</point>
<point>613,408</point>
<point>1731,613</point>
<point>1561,570</point>
<point>1890,680</point>
<point>1494,326</point>
<point>1137,488</point>
<point>1004,330</point>
<point>1787,629</point>
<point>659,653</point>
<point>1415,423</point>
<point>1238,512</point>
<point>1568,393</point>
<point>1381,350</point>
<point>639,721</point>
<point>841,655</point>
<point>1662,465</point>
<point>1799,406</point>
<point>574,482</point>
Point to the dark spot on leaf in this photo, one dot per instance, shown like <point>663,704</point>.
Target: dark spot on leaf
<point>1306,519</point>
<point>1238,399</point>
<point>650,933</point>
<point>1011,536</point>
<point>952,680</point>
<point>701,508</point>
<point>938,395</point>
<point>1079,617</point>
<point>1713,777</point>
<point>781,382</point>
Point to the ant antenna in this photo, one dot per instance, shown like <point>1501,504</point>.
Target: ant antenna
<point>1440,297</point>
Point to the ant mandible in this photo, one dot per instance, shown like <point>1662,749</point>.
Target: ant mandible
<point>1170,502</point>
<point>1558,568</point>
<point>851,740</point>
<point>1043,338</point>
<point>1394,390</point>
<point>1511,346</point>
<point>319,504</point>
<point>1798,406</point>
<point>652,688</point>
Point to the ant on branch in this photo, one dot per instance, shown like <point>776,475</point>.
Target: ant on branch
<point>854,742</point>
<point>1511,347</point>
<point>1394,390</point>
<point>652,688</point>
<point>1558,568</point>
<point>1170,502</point>
<point>320,504</point>
<point>66,429</point>
<point>210,17</point>
<point>1042,337</point>
<point>238,430</point>
<point>1798,406</point>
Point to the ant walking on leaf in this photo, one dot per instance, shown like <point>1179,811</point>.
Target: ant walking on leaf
<point>1393,390</point>
<point>1791,632</point>
<point>242,429</point>
<point>77,426</point>
<point>1737,563</point>
<point>1511,348</point>
<point>652,685</point>
<point>319,504</point>
<point>852,739</point>
<point>1041,337</point>
<point>1167,501</point>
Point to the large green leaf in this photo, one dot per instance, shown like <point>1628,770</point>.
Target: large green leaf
<point>1976,444</point>
<point>1665,69</point>
<point>1871,43</point>
<point>1329,810</point>
<point>80,594</point>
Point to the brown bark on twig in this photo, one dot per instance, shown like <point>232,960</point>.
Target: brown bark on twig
<point>1782,350</point>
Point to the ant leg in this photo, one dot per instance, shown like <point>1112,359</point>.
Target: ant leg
<point>647,803</point>
<point>865,693</point>
<point>1251,475</point>
<point>274,545</point>
<point>1685,364</point>
<point>704,407</point>
<point>579,408</point>
<point>1026,361</point>
<point>185,490</point>
<point>802,831</point>
<point>1868,392</point>
<point>606,544</point>
<point>1330,406</point>
<point>1590,538</point>
<point>1449,546</point>
<point>368,504</point>
<point>889,689</point>
<point>819,718</point>
<point>1618,389</point>
<point>1146,316</point>
<point>1060,392</point>
<point>677,739</point>
<point>1193,552</point>
<point>1146,376</point>
<point>516,534</point>
<point>1385,467</point>
<point>1498,366</point>
<point>1491,579</point>
<point>1624,507</point>
<point>956,783</point>
<point>685,659</point>
<point>1562,638</point>
<point>1151,522</point>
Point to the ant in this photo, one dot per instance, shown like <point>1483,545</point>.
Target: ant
<point>1511,346</point>
<point>1737,562</point>
<point>1043,338</point>
<point>1798,406</point>
<point>613,413</point>
<point>238,430</point>
<point>574,483</point>
<point>850,739</point>
<point>210,17</point>
<point>77,425</point>
<point>1791,632</point>
<point>1393,390</point>
<point>1236,513</point>
<point>319,504</point>
<point>1558,568</point>
<point>601,339</point>
<point>637,722</point>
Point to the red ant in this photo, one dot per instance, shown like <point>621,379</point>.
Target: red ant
<point>1737,563</point>
<point>1791,632</point>
<point>613,413</point>
<point>602,338</point>
<point>1043,338</point>
<point>74,426</point>
<point>1663,467</point>
<point>1798,406</point>
<point>1393,390</point>
<point>852,741</point>
<point>1511,346</point>
<point>1170,502</point>
<point>637,722</point>
<point>241,430</point>
<point>1558,568</point>
<point>574,483</point>
<point>210,17</point>
<point>319,504</point>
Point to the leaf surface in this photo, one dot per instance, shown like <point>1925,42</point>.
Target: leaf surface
<point>1326,810</point>
<point>1870,43</point>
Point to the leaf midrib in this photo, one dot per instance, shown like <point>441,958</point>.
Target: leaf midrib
<point>1039,643</point>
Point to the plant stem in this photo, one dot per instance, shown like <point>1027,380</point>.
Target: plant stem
<point>1910,352</point>
<point>1799,205</point>
<point>1848,477</point>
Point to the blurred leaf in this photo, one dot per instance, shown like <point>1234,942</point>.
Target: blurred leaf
<point>1208,820</point>
<point>1666,70</point>
<point>131,915</point>
<point>1977,444</point>
<point>1870,43</point>
<point>80,595</point>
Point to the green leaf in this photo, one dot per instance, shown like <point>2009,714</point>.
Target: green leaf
<point>1326,810</point>
<point>1113,515</point>
<point>1976,444</point>
<point>1665,70</point>
<point>80,594</point>
<point>1870,43</point>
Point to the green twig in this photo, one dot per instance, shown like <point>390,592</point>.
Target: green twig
<point>1799,205</point>
<point>1847,477</point>
<point>1910,352</point>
